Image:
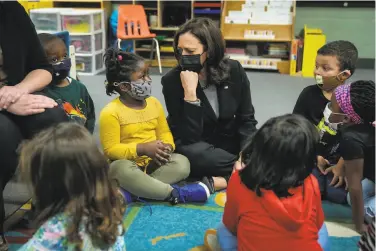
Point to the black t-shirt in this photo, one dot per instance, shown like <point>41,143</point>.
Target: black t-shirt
<point>311,104</point>
<point>358,142</point>
<point>329,142</point>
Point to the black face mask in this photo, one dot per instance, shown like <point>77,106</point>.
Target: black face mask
<point>191,62</point>
<point>61,70</point>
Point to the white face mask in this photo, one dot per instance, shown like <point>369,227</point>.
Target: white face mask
<point>319,80</point>
<point>327,112</point>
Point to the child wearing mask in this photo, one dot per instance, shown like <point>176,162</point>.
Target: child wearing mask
<point>69,93</point>
<point>335,63</point>
<point>352,109</point>
<point>136,138</point>
<point>273,200</point>
<point>77,206</point>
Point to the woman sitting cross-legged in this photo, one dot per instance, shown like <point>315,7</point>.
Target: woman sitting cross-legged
<point>135,136</point>
<point>209,104</point>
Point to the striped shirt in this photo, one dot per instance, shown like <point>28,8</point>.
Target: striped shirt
<point>367,241</point>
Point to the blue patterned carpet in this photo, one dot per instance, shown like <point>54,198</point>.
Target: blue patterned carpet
<point>159,226</point>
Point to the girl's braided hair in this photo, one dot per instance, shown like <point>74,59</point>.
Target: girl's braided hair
<point>119,67</point>
<point>362,96</point>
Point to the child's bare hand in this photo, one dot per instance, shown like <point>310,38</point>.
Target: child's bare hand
<point>154,150</point>
<point>362,229</point>
<point>238,166</point>
<point>168,148</point>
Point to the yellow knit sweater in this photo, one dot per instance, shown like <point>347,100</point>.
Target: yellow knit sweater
<point>121,128</point>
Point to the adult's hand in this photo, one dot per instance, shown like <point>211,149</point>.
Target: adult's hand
<point>10,95</point>
<point>29,104</point>
<point>189,80</point>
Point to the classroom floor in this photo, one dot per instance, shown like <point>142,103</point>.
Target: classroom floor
<point>272,94</point>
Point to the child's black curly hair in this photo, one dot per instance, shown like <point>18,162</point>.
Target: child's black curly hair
<point>345,51</point>
<point>280,155</point>
<point>362,96</point>
<point>119,67</point>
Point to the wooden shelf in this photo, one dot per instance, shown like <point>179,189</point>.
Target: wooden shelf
<point>166,62</point>
<point>282,67</point>
<point>97,1</point>
<point>279,33</point>
<point>235,32</point>
<point>283,33</point>
<point>149,8</point>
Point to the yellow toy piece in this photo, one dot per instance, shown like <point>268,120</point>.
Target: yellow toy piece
<point>314,39</point>
<point>28,5</point>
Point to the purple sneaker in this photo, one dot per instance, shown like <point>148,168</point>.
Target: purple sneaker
<point>127,196</point>
<point>194,192</point>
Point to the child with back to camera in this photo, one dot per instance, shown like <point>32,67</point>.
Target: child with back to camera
<point>335,63</point>
<point>136,137</point>
<point>70,93</point>
<point>273,200</point>
<point>77,207</point>
<point>352,109</point>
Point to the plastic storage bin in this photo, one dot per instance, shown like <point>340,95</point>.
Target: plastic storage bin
<point>82,21</point>
<point>99,62</point>
<point>47,20</point>
<point>84,64</point>
<point>87,44</point>
<point>89,64</point>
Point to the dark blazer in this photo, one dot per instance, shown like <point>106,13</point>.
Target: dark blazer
<point>22,51</point>
<point>190,123</point>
